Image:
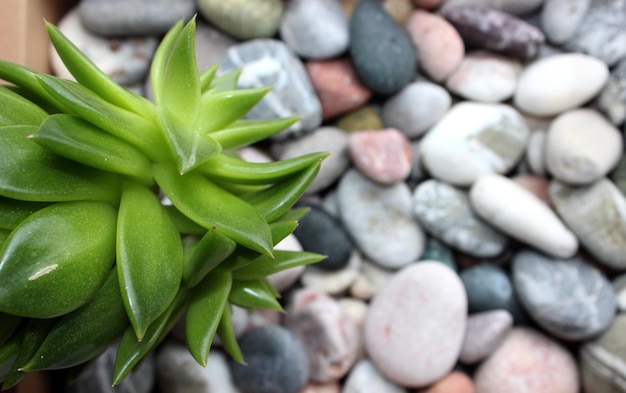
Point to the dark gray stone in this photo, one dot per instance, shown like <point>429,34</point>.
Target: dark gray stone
<point>276,361</point>
<point>567,297</point>
<point>489,288</point>
<point>382,52</point>
<point>435,250</point>
<point>134,17</point>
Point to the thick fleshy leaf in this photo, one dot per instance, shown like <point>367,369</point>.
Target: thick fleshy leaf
<point>217,110</point>
<point>226,333</point>
<point>13,211</point>
<point>149,256</point>
<point>210,206</point>
<point>92,77</point>
<point>57,259</point>
<point>84,333</point>
<point>245,132</point>
<point>264,266</point>
<point>81,141</point>
<point>27,79</point>
<point>205,255</point>
<point>253,294</point>
<point>183,224</point>
<point>206,78</point>
<point>8,353</point>
<point>225,82</point>
<point>207,304</point>
<point>17,110</point>
<point>8,324</point>
<point>31,173</point>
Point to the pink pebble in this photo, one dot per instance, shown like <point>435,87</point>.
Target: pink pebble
<point>384,156</point>
<point>337,86</point>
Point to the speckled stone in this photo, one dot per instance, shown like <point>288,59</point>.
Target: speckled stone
<point>244,19</point>
<point>561,18</point>
<point>612,98</point>
<point>415,325</point>
<point>597,215</point>
<point>445,212</point>
<point>380,220</point>
<point>494,30</point>
<point>381,50</point>
<point>365,378</point>
<point>268,62</point>
<point>568,297</point>
<point>485,331</point>
<point>603,361</point>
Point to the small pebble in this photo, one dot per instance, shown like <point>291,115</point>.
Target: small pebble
<point>372,278</point>
<point>619,286</point>
<point>597,215</point>
<point>445,212</point>
<point>582,146</point>
<point>276,361</point>
<point>557,83</point>
<point>535,152</point>
<point>494,30</point>
<point>333,282</point>
<point>416,108</point>
<point>380,220</point>
<point>474,139</point>
<point>435,250</point>
<point>484,77</point>
<point>517,212</point>
<point>537,185</point>
<point>338,87</point>
<point>485,331</point>
<point>612,99</point>
<point>528,361</point>
<point>455,382</point>
<point>399,10</point>
<point>561,18</point>
<point>366,378</point>
<point>315,29</point>
<point>415,324</point>
<point>515,7</point>
<point>438,44</point>
<point>383,156</point>
<point>363,118</point>
<point>382,52</point>
<point>244,19</point>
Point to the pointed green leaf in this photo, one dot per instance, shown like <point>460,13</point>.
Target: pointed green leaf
<point>210,206</point>
<point>57,258</point>
<point>225,82</point>
<point>246,132</point>
<point>13,211</point>
<point>149,256</point>
<point>226,333</point>
<point>17,110</point>
<point>264,266</point>
<point>92,77</point>
<point>207,304</point>
<point>83,334</point>
<point>282,229</point>
<point>30,172</point>
<point>253,294</point>
<point>27,79</point>
<point>217,110</point>
<point>183,224</point>
<point>159,61</point>
<point>209,252</point>
<point>81,141</point>
<point>206,78</point>
<point>8,324</point>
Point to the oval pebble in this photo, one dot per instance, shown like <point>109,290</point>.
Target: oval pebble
<point>382,52</point>
<point>439,45</point>
<point>276,361</point>
<point>517,212</point>
<point>244,19</point>
<point>445,212</point>
<point>380,220</point>
<point>568,297</point>
<point>515,7</point>
<point>415,108</point>
<point>485,331</point>
<point>474,139</point>
<point>558,83</point>
<point>597,214</point>
<point>582,146</point>
<point>315,29</point>
<point>484,77</point>
<point>365,378</point>
<point>528,361</point>
<point>415,324</point>
<point>561,18</point>
<point>384,156</point>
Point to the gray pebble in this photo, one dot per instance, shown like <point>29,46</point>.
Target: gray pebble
<point>243,19</point>
<point>435,250</point>
<point>484,332</point>
<point>560,18</point>
<point>612,98</point>
<point>619,286</point>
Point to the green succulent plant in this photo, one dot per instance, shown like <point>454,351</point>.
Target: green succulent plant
<point>91,250</point>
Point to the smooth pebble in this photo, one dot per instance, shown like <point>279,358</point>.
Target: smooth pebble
<point>515,7</point>
<point>244,19</point>
<point>619,286</point>
<point>455,382</point>
<point>561,18</point>
<point>366,378</point>
<point>332,282</point>
<point>485,331</point>
<point>612,99</point>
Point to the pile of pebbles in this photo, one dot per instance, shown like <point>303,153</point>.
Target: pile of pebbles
<point>472,209</point>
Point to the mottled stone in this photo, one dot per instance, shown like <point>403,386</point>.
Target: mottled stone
<point>380,220</point>
<point>338,87</point>
<point>365,378</point>
<point>415,325</point>
<point>494,30</point>
<point>381,50</point>
<point>597,215</point>
<point>416,108</point>
<point>560,82</point>
<point>134,17</point>
<point>612,98</point>
<point>276,361</point>
<point>439,45</point>
<point>474,139</point>
<point>567,297</point>
<point>603,361</point>
<point>363,118</point>
<point>538,363</point>
<point>244,19</point>
<point>383,156</point>
<point>517,212</point>
<point>269,63</point>
<point>327,331</point>
<point>445,212</point>
<point>315,29</point>
<point>485,331</point>
<point>561,18</point>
